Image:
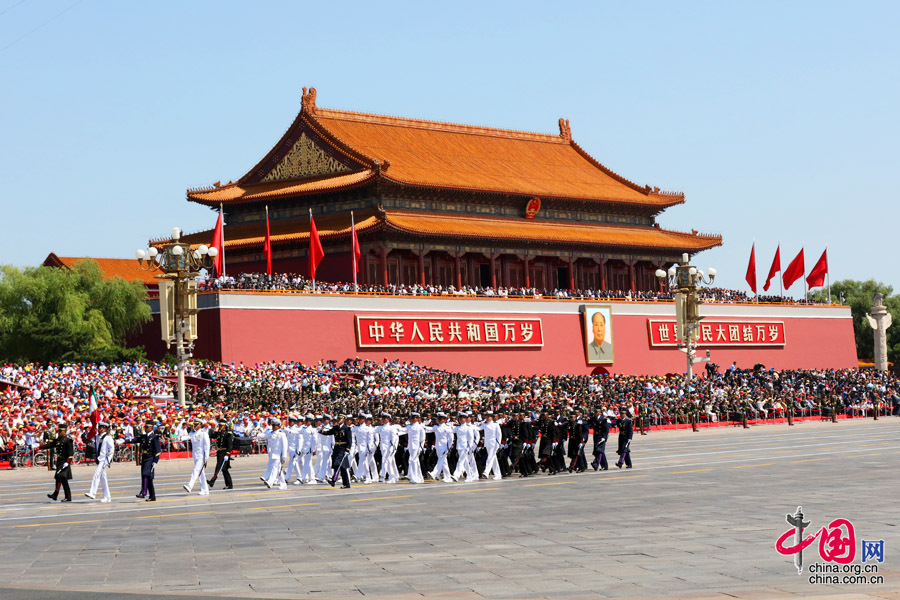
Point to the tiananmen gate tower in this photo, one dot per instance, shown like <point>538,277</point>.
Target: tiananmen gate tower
<point>458,205</point>
<point>445,204</point>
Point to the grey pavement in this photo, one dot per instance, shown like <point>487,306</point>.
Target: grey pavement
<point>698,516</point>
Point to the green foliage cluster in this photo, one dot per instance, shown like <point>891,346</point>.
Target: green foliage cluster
<point>859,295</point>
<point>55,315</point>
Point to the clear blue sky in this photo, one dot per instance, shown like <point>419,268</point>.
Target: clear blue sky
<point>778,120</point>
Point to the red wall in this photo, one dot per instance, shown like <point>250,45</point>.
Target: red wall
<point>250,336</point>
<point>815,338</point>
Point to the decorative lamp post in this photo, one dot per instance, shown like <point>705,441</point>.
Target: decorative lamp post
<point>178,264</point>
<point>684,281</point>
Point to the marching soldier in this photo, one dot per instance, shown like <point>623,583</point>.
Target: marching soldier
<point>577,438</point>
<point>277,446</point>
<point>547,430</point>
<point>626,432</point>
<point>339,456</point>
<point>224,445</point>
<point>150,449</point>
<point>600,424</point>
<point>200,454</point>
<point>106,449</point>
<point>64,449</point>
<point>517,444</point>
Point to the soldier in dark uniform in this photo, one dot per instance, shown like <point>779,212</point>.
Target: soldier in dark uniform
<point>530,434</point>
<point>503,452</point>
<point>600,424</point>
<point>63,447</point>
<point>150,449</point>
<point>547,430</point>
<point>516,443</point>
<point>428,458</point>
<point>578,434</point>
<point>562,435</point>
<point>453,455</point>
<point>626,431</point>
<point>340,459</point>
<point>224,445</point>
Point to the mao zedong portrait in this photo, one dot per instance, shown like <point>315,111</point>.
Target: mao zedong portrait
<point>599,348</point>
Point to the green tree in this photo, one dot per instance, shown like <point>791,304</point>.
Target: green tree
<point>52,315</point>
<point>859,295</point>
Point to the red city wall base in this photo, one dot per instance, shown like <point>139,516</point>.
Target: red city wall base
<point>308,335</point>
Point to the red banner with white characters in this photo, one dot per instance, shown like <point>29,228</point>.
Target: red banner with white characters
<point>447,332</point>
<point>722,333</point>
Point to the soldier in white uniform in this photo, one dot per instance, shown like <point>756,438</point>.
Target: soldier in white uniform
<point>324,447</point>
<point>278,456</point>
<point>200,454</point>
<point>492,439</point>
<point>388,437</point>
<point>293,433</point>
<point>443,441</point>
<point>364,438</point>
<point>415,432</point>
<point>106,449</point>
<point>354,449</point>
<point>307,447</point>
<point>465,448</point>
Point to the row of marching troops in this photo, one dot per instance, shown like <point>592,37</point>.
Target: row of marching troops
<point>320,449</point>
<point>448,447</point>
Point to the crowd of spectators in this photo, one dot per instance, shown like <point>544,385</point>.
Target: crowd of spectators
<point>292,282</point>
<point>35,399</point>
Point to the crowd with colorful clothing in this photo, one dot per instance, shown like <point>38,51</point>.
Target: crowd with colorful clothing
<point>37,400</point>
<point>293,283</point>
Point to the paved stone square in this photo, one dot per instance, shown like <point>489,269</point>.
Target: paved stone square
<point>698,516</point>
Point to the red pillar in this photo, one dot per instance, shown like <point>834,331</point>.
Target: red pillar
<point>456,265</point>
<point>527,272</point>
<point>631,274</point>
<point>571,273</point>
<point>603,274</point>
<point>421,268</point>
<point>383,252</point>
<point>493,271</point>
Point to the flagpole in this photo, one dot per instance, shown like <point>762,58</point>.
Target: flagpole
<point>755,293</point>
<point>268,250</point>
<point>805,284</point>
<point>312,275</point>
<point>222,249</point>
<point>828,275</point>
<point>353,250</point>
<point>780,278</point>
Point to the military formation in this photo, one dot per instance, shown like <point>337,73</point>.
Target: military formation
<point>321,449</point>
<point>459,446</point>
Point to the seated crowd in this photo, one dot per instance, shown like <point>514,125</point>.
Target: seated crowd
<point>292,282</point>
<point>36,399</point>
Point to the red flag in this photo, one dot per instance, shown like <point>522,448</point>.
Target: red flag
<point>94,414</point>
<point>217,241</point>
<point>816,277</point>
<point>316,253</point>
<point>794,270</point>
<point>267,246</point>
<point>357,254</point>
<point>775,268</point>
<point>751,269</point>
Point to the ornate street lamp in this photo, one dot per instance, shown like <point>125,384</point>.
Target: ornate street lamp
<point>684,281</point>
<point>178,264</point>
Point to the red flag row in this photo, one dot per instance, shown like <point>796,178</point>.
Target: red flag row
<point>316,252</point>
<point>792,273</point>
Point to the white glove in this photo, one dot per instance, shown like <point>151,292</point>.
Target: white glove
<point>65,465</point>
<point>226,458</point>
